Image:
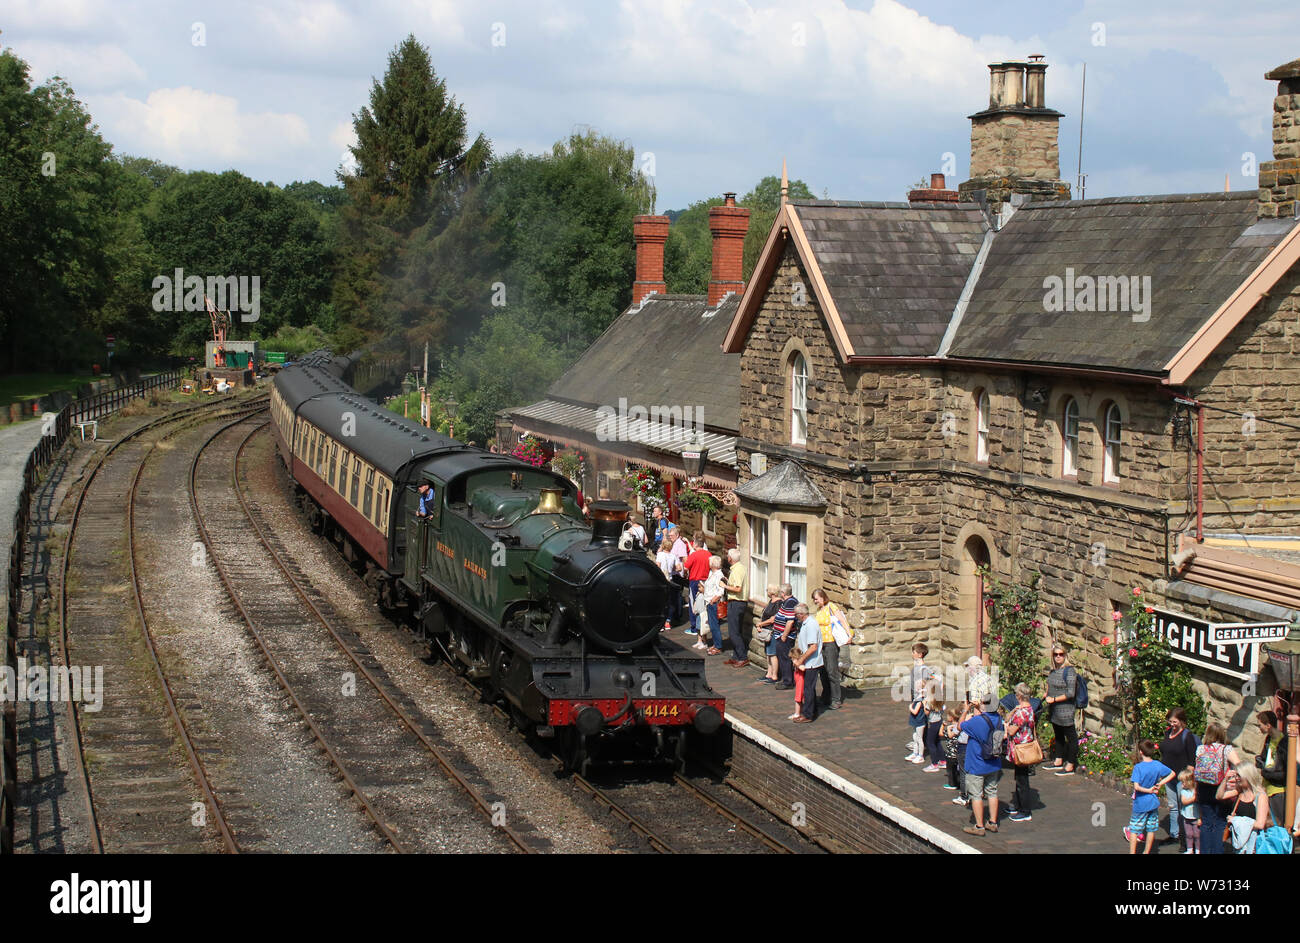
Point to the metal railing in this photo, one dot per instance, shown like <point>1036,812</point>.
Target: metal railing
<point>54,436</point>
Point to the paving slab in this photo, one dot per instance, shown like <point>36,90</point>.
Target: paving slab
<point>16,444</point>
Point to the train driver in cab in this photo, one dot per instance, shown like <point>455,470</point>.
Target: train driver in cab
<point>426,500</point>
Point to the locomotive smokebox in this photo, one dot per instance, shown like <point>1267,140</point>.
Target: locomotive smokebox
<point>607,520</point>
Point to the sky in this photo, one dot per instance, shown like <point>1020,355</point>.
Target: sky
<point>862,99</point>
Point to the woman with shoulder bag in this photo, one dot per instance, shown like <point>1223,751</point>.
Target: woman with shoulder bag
<point>1024,750</point>
<point>1062,690</point>
<point>1244,788</point>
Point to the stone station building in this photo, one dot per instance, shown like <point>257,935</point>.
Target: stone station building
<point>1093,390</point>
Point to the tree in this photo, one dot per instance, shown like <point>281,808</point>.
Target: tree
<point>56,190</point>
<point>226,225</point>
<point>564,227</point>
<point>414,174</point>
<point>688,253</point>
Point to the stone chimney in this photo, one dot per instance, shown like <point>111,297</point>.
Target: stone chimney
<point>728,223</point>
<point>1279,178</point>
<point>1013,142</point>
<point>935,193</point>
<point>649,233</point>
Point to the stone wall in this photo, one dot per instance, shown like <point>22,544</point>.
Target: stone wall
<point>1252,467</point>
<point>1015,145</point>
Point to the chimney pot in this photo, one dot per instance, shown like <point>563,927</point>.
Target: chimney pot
<point>936,181</point>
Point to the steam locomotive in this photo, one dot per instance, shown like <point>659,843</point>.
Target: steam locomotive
<point>558,617</point>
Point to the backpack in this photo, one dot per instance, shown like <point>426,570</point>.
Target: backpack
<point>1080,690</point>
<point>993,748</point>
<point>1209,764</point>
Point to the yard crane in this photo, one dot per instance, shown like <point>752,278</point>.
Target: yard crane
<point>220,326</point>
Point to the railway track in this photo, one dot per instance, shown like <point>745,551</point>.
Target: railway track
<point>386,754</point>
<point>638,805</point>
<point>138,794</point>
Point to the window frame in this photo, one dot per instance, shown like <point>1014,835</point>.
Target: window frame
<point>982,426</point>
<point>1069,454</point>
<point>758,561</point>
<point>354,491</point>
<point>798,395</point>
<point>1110,460</point>
<point>787,564</point>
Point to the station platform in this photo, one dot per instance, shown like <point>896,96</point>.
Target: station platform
<point>16,444</point>
<point>858,751</point>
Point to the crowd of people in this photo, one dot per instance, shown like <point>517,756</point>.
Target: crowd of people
<point>1218,801</point>
<point>801,640</point>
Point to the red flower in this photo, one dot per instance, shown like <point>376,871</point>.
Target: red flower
<point>1136,591</point>
<point>1035,623</point>
<point>1132,652</point>
<point>1149,609</point>
<point>998,639</point>
<point>1144,644</point>
<point>1105,640</point>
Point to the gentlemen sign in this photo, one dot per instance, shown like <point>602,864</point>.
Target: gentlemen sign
<point>1190,640</point>
<point>1228,633</point>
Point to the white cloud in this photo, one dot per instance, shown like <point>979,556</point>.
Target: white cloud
<point>194,128</point>
<point>62,15</point>
<point>85,67</point>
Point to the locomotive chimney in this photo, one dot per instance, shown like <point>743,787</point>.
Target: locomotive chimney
<point>607,520</point>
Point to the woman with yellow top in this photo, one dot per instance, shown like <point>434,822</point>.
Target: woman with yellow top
<point>835,631</point>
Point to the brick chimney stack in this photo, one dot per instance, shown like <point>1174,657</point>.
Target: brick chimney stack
<point>1014,142</point>
<point>935,193</point>
<point>728,223</point>
<point>1279,178</point>
<point>649,233</point>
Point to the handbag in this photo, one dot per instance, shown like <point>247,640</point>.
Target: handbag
<point>1274,840</point>
<point>1028,753</point>
<point>839,631</point>
<point>1227,829</point>
<point>764,635</point>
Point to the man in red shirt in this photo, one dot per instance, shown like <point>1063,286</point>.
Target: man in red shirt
<point>697,571</point>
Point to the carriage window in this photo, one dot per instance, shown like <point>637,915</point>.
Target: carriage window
<point>314,437</point>
<point>334,450</point>
<point>379,503</point>
<point>356,480</point>
<point>369,498</point>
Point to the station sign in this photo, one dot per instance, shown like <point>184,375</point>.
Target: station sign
<point>1191,639</point>
<point>1254,632</point>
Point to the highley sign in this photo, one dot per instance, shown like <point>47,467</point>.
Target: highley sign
<point>1227,648</point>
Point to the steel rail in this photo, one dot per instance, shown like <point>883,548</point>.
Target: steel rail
<point>371,812</point>
<point>600,795</point>
<point>76,741</point>
<point>731,815</point>
<point>200,772</point>
<point>520,841</point>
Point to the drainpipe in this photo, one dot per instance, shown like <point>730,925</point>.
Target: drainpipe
<point>1200,463</point>
<point>1200,472</point>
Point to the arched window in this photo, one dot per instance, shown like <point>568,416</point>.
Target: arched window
<point>798,400</point>
<point>1112,427</point>
<point>1070,438</point>
<point>982,426</point>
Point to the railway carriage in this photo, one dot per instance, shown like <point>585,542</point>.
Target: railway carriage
<point>556,614</point>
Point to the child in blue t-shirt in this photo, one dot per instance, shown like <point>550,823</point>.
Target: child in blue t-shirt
<point>1150,777</point>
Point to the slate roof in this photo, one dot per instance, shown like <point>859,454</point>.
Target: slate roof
<point>666,352</point>
<point>1196,248</point>
<point>786,484</point>
<point>894,270</point>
